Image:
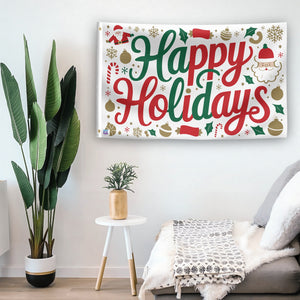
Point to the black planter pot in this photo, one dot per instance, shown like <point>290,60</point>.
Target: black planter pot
<point>40,272</point>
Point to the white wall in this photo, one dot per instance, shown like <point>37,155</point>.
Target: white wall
<point>177,179</point>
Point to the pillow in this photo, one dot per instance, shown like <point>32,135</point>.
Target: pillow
<point>263,214</point>
<point>284,222</point>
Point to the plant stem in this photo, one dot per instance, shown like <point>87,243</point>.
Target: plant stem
<point>25,162</point>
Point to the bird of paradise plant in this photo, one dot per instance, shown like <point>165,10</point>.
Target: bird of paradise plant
<point>53,143</point>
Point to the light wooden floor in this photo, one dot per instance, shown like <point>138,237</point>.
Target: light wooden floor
<point>69,289</point>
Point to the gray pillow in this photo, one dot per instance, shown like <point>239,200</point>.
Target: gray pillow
<point>263,214</point>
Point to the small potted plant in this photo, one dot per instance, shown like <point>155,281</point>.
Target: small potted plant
<point>120,179</point>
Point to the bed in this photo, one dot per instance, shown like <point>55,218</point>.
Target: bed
<point>268,245</point>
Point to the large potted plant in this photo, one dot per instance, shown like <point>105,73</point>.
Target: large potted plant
<point>120,179</point>
<point>53,144</point>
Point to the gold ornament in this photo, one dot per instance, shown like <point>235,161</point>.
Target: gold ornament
<point>226,34</point>
<point>111,128</point>
<point>125,57</point>
<point>109,106</point>
<point>165,130</point>
<point>275,127</point>
<point>277,93</point>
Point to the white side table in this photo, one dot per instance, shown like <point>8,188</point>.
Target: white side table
<point>126,223</point>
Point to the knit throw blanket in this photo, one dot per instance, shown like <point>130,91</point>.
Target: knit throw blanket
<point>205,252</point>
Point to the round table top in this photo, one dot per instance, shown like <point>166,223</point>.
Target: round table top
<point>130,221</point>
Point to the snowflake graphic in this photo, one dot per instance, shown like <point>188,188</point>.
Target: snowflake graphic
<point>136,29</point>
<point>275,33</point>
<point>281,80</point>
<point>137,132</point>
<point>218,87</point>
<point>107,93</point>
<point>124,70</point>
<point>280,54</point>
<point>111,52</point>
<point>153,32</point>
<point>163,88</point>
<point>236,34</point>
<point>127,129</point>
<point>107,33</point>
<point>247,132</point>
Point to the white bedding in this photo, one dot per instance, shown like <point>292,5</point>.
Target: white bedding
<point>158,272</point>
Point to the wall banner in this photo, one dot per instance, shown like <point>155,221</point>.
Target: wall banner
<point>192,81</point>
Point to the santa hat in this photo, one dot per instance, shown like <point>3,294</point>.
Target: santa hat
<point>266,54</point>
<point>118,27</point>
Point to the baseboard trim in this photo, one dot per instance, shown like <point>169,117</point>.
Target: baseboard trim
<point>75,272</point>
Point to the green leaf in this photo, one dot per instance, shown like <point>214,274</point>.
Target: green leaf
<point>30,87</point>
<point>53,94</point>
<point>250,31</point>
<point>38,137</point>
<point>62,178</point>
<point>24,185</point>
<point>68,89</point>
<point>279,109</point>
<point>50,194</point>
<point>13,100</point>
<point>66,152</point>
<point>45,172</point>
<point>152,132</point>
<point>249,79</point>
<point>183,35</point>
<point>209,128</point>
<point>258,130</point>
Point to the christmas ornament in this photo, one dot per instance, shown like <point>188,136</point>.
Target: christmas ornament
<point>226,34</point>
<point>165,130</point>
<point>125,57</point>
<point>111,128</point>
<point>109,67</point>
<point>277,93</point>
<point>275,127</point>
<point>110,106</point>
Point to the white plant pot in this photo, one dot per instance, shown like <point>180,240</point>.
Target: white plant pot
<point>40,272</point>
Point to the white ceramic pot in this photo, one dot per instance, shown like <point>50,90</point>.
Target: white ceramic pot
<point>40,272</point>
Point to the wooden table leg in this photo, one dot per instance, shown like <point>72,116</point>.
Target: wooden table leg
<point>135,278</point>
<point>130,260</point>
<point>104,258</point>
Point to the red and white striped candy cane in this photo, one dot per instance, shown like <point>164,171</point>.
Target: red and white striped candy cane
<point>109,67</point>
<point>216,130</point>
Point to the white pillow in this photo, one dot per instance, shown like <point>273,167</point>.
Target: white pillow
<point>284,223</point>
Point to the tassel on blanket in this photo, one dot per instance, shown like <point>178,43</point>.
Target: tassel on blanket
<point>178,289</point>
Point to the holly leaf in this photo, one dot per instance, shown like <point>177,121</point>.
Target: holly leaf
<point>249,79</point>
<point>279,109</point>
<point>258,130</point>
<point>183,35</point>
<point>250,31</point>
<point>152,132</point>
<point>209,128</point>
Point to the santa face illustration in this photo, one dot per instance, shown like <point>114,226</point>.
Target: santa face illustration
<point>119,36</point>
<point>266,69</point>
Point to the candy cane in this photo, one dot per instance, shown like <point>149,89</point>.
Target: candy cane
<point>218,125</point>
<point>110,66</point>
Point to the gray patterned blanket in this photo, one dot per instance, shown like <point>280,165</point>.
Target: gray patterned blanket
<point>205,252</point>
